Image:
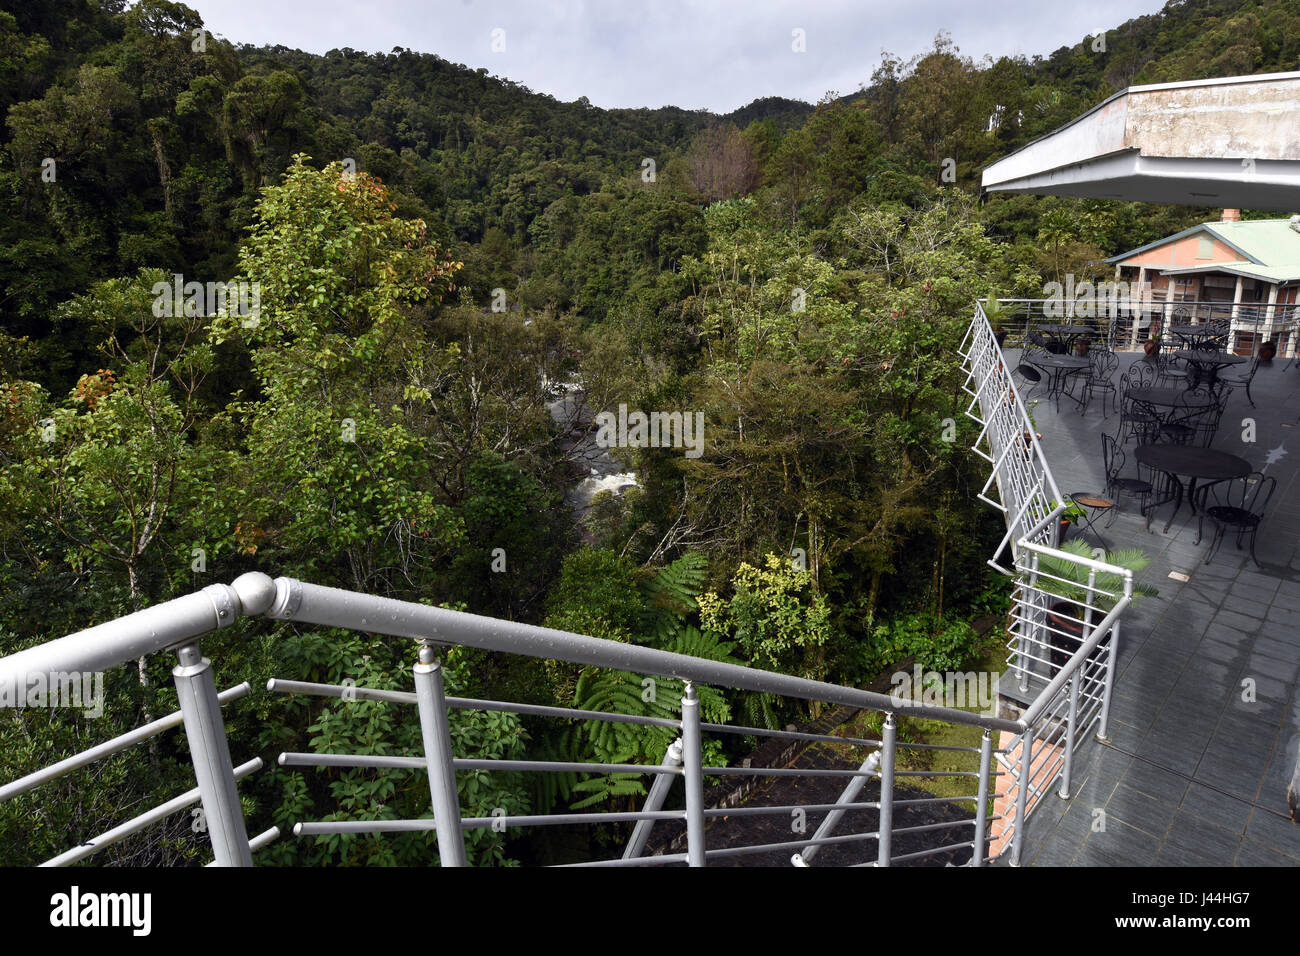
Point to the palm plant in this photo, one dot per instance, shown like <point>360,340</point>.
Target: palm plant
<point>1077,603</point>
<point>1073,577</point>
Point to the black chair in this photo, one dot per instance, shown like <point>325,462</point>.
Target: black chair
<point>1239,504</point>
<point>1032,377</point>
<point>1170,369</point>
<point>1229,382</point>
<point>1101,373</point>
<point>1192,422</point>
<point>1143,374</point>
<point>1136,419</point>
<point>1113,460</point>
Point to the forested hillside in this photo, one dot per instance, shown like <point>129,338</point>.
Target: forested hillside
<point>440,254</point>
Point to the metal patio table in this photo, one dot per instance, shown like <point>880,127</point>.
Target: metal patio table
<point>1165,399</point>
<point>1206,364</point>
<point>1191,462</point>
<point>1201,336</point>
<point>1064,335</point>
<point>1060,367</point>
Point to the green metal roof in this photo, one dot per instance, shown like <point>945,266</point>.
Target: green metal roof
<point>1263,244</point>
<point>1268,242</point>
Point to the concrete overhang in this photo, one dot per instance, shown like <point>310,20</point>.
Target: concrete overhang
<point>1231,142</point>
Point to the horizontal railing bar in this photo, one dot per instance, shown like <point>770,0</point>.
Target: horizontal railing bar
<point>785,772</point>
<point>543,710</point>
<point>379,762</point>
<point>826,738</point>
<point>787,734</point>
<point>938,773</point>
<point>788,809</point>
<point>277,685</point>
<point>628,861</point>
<point>352,761</point>
<point>108,747</point>
<point>575,767</point>
<point>144,820</point>
<point>567,819</point>
<point>791,845</point>
<point>943,825</point>
<point>262,839</point>
<point>322,827</point>
<point>933,851</point>
<point>306,603</point>
<point>463,703</point>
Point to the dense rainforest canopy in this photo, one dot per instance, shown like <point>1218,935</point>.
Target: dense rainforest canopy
<point>437,254</point>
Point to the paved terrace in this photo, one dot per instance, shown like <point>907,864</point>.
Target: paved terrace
<point>1195,774</point>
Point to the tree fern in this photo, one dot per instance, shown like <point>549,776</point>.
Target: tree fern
<point>668,596</point>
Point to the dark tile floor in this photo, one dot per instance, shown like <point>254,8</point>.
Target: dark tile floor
<point>1205,720</point>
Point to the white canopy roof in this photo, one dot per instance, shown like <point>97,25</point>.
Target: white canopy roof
<point>1231,142</point>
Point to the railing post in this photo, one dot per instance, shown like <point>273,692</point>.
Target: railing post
<point>206,731</point>
<point>1064,792</point>
<point>654,801</point>
<point>438,756</point>
<point>982,804</point>
<point>1112,652</point>
<point>886,820</point>
<point>693,769</point>
<point>1022,794</point>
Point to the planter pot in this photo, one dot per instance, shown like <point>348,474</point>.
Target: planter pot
<point>1065,617</point>
<point>1000,336</point>
<point>1150,347</point>
<point>1267,351</point>
<point>1081,348</point>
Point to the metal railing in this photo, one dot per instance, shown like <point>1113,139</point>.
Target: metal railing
<point>1125,325</point>
<point>1051,612</point>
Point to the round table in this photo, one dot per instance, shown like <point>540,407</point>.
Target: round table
<point>1192,462</point>
<point>1167,397</point>
<point>1199,336</point>
<point>1064,335</point>
<point>1208,363</point>
<point>1060,367</point>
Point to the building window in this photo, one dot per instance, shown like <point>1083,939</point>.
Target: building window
<point>1205,248</point>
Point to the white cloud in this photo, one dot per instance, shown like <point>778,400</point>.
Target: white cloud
<point>716,55</point>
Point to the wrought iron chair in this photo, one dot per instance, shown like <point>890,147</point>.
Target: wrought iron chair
<point>1229,382</point>
<point>1239,503</point>
<point>1113,460</point>
<point>1193,422</point>
<point>1101,374</point>
<point>1136,418</point>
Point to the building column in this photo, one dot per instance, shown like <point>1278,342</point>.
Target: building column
<point>1232,322</point>
<point>1137,308</point>
<point>1268,315</point>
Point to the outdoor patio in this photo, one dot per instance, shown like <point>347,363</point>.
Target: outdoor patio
<point>1196,771</point>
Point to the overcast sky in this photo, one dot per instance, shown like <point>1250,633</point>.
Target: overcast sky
<point>707,54</point>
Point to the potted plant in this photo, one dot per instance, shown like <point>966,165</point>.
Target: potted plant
<point>1066,615</point>
<point>1267,351</point>
<point>996,313</point>
<point>1152,345</point>
<point>1071,515</point>
<point>1081,346</point>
